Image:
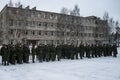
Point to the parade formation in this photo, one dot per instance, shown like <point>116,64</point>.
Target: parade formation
<point>19,54</point>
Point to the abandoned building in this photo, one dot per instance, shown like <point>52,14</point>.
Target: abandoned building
<point>25,25</point>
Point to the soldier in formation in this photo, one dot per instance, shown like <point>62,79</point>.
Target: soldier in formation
<point>20,53</point>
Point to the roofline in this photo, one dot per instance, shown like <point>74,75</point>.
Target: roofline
<point>6,6</point>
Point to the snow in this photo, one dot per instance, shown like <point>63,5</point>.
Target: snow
<point>104,68</point>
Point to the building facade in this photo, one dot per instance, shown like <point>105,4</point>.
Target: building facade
<point>24,25</point>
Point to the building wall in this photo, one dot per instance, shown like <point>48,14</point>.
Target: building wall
<point>39,27</point>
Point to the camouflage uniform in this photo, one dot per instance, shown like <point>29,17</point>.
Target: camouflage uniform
<point>58,52</point>
<point>33,53</point>
<point>5,55</point>
<point>114,49</point>
<point>13,55</point>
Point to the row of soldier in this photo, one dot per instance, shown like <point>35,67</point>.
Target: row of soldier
<point>20,53</point>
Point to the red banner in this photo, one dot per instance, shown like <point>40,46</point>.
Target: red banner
<point>18,34</point>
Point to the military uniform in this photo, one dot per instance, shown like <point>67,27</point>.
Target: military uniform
<point>26,53</point>
<point>114,49</point>
<point>81,51</point>
<point>13,55</point>
<point>40,53</point>
<point>58,52</point>
<point>33,53</point>
<point>5,55</point>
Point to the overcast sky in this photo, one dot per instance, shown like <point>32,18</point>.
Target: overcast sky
<point>87,7</point>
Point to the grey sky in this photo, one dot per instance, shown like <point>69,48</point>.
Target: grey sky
<point>87,7</point>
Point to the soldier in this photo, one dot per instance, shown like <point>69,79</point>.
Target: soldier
<point>76,51</point>
<point>20,54</point>
<point>88,51</point>
<point>107,50</point>
<point>5,55</point>
<point>81,50</point>
<point>44,52</point>
<point>99,50</point>
<point>58,52</point>
<point>13,55</point>
<point>72,52</point>
<point>63,52</point>
<point>114,49</point>
<point>40,53</point>
<point>93,50</point>
<point>110,49</point>
<point>96,50</point>
<point>47,51</point>
<point>26,53</point>
<point>103,49</point>
<point>67,51</point>
<point>33,53</point>
<point>53,54</point>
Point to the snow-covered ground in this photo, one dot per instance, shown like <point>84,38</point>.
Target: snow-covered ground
<point>104,68</point>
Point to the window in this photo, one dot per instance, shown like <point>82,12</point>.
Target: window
<point>19,23</point>
<point>56,17</point>
<point>45,15</point>
<point>45,32</point>
<point>26,32</point>
<point>96,35</point>
<point>26,23</point>
<point>39,32</point>
<point>51,33</point>
<point>39,15</point>
<point>68,33</point>
<point>33,32</point>
<point>81,34</point>
<point>33,14</point>
<point>33,23</point>
<point>11,31</point>
<point>39,24</point>
<point>96,22</point>
<point>11,22</point>
<point>45,24</point>
<point>51,24</point>
<point>62,33</point>
<point>51,16</point>
<point>89,34</point>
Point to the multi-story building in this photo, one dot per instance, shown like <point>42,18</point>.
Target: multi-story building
<point>26,25</point>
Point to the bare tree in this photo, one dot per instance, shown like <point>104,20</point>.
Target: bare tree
<point>10,4</point>
<point>111,24</point>
<point>64,11</point>
<point>75,11</point>
<point>106,16</point>
<point>117,34</point>
<point>17,4</point>
<point>70,25</point>
<point>117,25</point>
